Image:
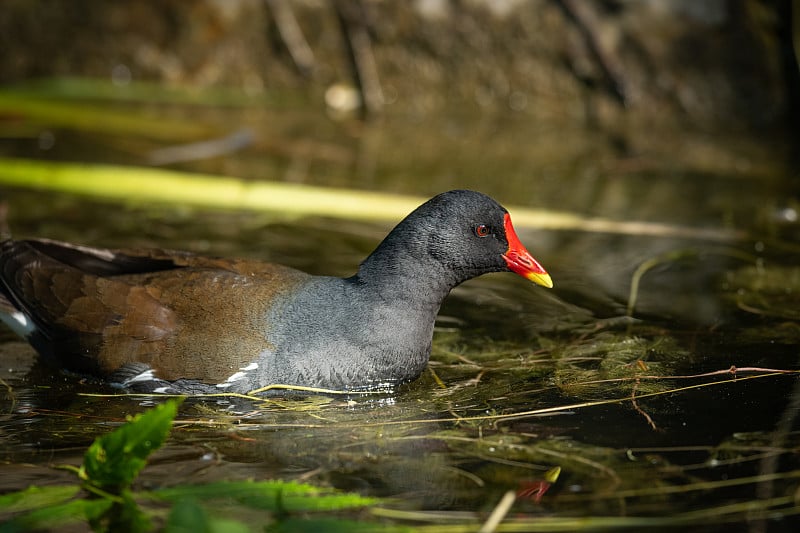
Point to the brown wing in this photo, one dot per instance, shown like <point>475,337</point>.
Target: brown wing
<point>186,316</point>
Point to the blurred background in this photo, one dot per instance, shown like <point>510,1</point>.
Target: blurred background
<point>522,98</point>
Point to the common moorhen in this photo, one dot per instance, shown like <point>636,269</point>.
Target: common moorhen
<point>167,321</point>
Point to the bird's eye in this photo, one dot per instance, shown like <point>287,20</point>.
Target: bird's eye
<point>481,230</point>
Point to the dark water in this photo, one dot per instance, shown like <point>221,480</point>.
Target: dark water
<point>468,430</point>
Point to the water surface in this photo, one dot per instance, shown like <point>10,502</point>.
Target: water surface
<point>635,401</point>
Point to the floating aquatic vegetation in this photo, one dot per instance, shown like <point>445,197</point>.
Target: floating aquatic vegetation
<point>765,289</point>
<point>616,363</point>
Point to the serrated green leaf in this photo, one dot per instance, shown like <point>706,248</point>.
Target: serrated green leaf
<point>274,496</point>
<point>234,489</point>
<point>188,517</point>
<point>333,525</point>
<point>36,497</point>
<point>114,460</point>
<point>57,516</point>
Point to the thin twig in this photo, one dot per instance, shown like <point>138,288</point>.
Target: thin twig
<point>292,36</point>
<point>352,19</point>
<point>500,512</point>
<point>612,69</point>
<point>639,410</point>
<point>5,231</point>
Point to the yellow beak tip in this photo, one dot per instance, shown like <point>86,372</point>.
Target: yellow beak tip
<point>541,279</point>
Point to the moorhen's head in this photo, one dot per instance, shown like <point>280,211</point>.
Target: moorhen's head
<point>465,232</point>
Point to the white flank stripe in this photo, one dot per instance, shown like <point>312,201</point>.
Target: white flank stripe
<point>147,375</point>
<point>236,376</point>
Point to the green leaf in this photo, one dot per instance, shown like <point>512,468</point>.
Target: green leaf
<point>276,496</point>
<point>114,460</point>
<point>56,516</point>
<point>188,517</point>
<point>334,525</point>
<point>36,497</point>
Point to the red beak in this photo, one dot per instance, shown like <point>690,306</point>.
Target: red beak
<point>520,260</point>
